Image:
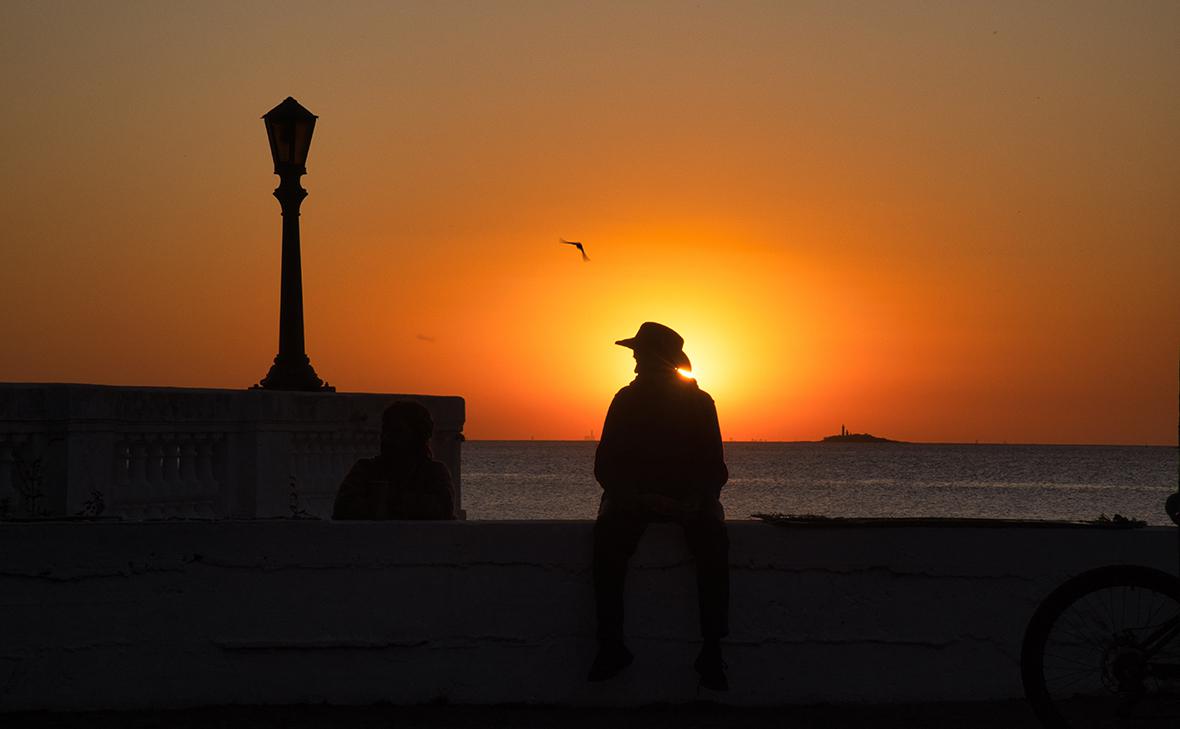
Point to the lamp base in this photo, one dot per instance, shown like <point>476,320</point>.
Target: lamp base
<point>293,372</point>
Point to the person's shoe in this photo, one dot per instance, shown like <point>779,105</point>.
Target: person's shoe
<point>711,668</point>
<point>612,658</point>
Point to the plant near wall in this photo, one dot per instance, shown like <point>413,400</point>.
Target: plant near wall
<point>94,506</point>
<point>29,480</point>
<point>294,503</point>
<point>1118,521</point>
<point>781,518</point>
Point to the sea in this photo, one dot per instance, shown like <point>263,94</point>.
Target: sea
<point>555,480</point>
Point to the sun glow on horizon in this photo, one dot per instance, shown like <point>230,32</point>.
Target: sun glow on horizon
<point>958,228</point>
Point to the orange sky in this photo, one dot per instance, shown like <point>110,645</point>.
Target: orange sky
<point>941,222</point>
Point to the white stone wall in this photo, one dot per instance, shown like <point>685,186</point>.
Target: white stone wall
<point>105,615</point>
<point>151,453</point>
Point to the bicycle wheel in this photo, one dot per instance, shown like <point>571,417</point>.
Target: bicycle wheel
<point>1103,650</point>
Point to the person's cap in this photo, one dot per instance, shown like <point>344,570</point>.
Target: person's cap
<point>661,341</point>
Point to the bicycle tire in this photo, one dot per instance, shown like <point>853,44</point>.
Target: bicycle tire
<point>1055,618</point>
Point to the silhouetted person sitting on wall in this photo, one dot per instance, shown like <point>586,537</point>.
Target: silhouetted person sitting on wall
<point>403,482</point>
<point>660,459</point>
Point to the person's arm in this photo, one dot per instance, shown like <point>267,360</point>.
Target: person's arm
<point>710,460</point>
<point>427,494</point>
<point>352,496</point>
<point>440,492</point>
<point>715,472</point>
<point>609,459</point>
<point>615,466</point>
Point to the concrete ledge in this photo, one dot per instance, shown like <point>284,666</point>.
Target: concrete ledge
<point>698,715</point>
<point>155,615</point>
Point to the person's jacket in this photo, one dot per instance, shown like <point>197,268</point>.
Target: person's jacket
<point>373,489</point>
<point>661,437</point>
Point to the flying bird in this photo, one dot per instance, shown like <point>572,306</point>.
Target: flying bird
<point>577,245</point>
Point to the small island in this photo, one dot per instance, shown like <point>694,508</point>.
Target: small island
<point>847,437</point>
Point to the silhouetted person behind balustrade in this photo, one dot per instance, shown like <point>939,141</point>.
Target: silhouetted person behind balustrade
<point>660,459</point>
<point>404,481</point>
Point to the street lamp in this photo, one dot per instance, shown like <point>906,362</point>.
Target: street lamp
<point>289,127</point>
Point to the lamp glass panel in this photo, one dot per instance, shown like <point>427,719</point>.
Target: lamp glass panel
<point>281,133</point>
<point>301,140</point>
<point>272,139</point>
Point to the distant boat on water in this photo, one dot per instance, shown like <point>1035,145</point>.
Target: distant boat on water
<point>848,437</point>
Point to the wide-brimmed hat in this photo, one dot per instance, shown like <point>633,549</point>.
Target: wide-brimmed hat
<point>661,341</point>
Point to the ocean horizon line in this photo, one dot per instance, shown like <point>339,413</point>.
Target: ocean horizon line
<point>821,442</point>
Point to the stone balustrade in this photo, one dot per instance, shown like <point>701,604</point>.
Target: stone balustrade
<point>154,453</point>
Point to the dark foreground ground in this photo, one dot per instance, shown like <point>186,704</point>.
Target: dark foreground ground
<point>970,715</point>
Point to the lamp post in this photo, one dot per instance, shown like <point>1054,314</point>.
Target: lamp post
<point>289,127</point>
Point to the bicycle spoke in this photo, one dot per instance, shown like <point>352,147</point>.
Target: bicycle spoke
<point>1083,638</point>
<point>1072,683</point>
<point>1088,664</point>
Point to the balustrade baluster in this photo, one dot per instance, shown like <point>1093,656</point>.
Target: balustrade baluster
<point>7,492</point>
<point>121,489</point>
<point>303,458</point>
<point>171,469</point>
<point>343,451</point>
<point>157,491</point>
<point>205,462</point>
<point>212,470</point>
<point>122,463</point>
<point>336,455</point>
<point>217,463</point>
<point>188,463</point>
<point>139,457</point>
<point>343,454</point>
<point>318,453</point>
<point>300,461</point>
<point>328,464</point>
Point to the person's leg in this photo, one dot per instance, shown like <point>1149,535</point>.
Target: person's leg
<point>616,534</point>
<point>709,544</point>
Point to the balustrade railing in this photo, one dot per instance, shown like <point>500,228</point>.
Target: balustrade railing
<point>158,453</point>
